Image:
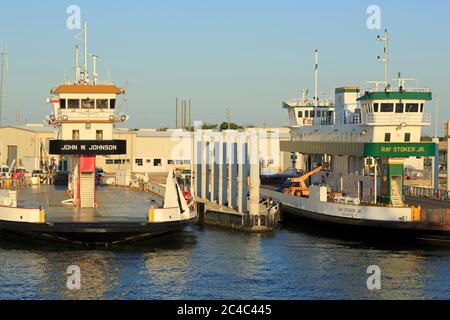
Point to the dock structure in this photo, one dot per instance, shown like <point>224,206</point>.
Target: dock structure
<point>447,136</point>
<point>227,181</point>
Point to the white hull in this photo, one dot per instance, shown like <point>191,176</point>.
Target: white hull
<point>357,212</point>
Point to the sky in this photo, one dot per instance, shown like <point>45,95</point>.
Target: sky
<point>245,56</point>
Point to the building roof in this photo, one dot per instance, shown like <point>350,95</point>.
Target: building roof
<point>352,89</point>
<point>91,89</point>
<point>31,128</point>
<point>396,95</point>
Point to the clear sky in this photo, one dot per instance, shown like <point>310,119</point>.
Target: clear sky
<point>247,56</point>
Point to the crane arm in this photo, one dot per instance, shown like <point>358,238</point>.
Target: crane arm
<point>301,180</point>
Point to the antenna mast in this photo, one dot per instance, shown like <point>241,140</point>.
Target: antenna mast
<point>3,72</point>
<point>77,66</point>
<point>86,75</point>
<point>316,80</point>
<point>385,60</point>
<point>316,86</point>
<point>94,73</point>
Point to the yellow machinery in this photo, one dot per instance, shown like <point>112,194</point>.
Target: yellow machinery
<point>298,186</point>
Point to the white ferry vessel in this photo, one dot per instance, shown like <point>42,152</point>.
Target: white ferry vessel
<point>355,151</point>
<point>84,114</point>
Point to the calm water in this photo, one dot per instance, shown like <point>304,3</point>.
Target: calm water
<point>210,263</point>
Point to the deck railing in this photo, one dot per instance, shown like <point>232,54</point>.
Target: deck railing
<point>396,119</point>
<point>428,193</point>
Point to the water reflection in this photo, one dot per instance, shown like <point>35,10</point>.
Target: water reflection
<point>211,263</point>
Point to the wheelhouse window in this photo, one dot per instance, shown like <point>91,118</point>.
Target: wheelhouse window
<point>307,114</point>
<point>412,107</point>
<point>387,107</point>
<point>399,108</point>
<point>312,114</point>
<point>157,163</point>
<point>75,134</point>
<point>87,104</point>
<point>375,107</point>
<point>112,103</point>
<point>387,137</point>
<point>421,107</point>
<point>73,104</point>
<point>99,135</point>
<point>300,114</point>
<point>407,137</point>
<point>139,162</point>
<point>62,103</point>
<point>102,103</point>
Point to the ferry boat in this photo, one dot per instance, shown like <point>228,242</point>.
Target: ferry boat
<point>84,114</point>
<point>354,152</point>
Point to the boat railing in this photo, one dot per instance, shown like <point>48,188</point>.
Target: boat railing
<point>392,118</point>
<point>380,86</point>
<point>427,193</point>
<point>89,114</point>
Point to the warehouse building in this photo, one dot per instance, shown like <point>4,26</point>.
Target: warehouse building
<point>148,150</point>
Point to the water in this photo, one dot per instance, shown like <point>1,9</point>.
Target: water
<point>211,263</point>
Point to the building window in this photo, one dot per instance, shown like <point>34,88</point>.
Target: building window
<point>139,162</point>
<point>99,135</point>
<point>87,104</point>
<point>387,137</point>
<point>102,103</point>
<point>375,107</point>
<point>307,114</point>
<point>421,107</point>
<point>75,134</point>
<point>73,104</point>
<point>412,107</point>
<point>109,161</point>
<point>157,163</point>
<point>399,108</point>
<point>407,137</point>
<point>112,103</point>
<point>149,161</point>
<point>312,114</point>
<point>62,103</point>
<point>300,114</point>
<point>387,107</point>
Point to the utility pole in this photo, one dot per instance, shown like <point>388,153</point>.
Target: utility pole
<point>18,118</point>
<point>447,124</point>
<point>436,116</point>
<point>176,114</point>
<point>190,115</point>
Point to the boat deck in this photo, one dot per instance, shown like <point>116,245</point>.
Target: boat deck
<point>115,204</point>
<point>410,201</point>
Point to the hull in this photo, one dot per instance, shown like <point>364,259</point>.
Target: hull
<point>92,233</point>
<point>385,230</point>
